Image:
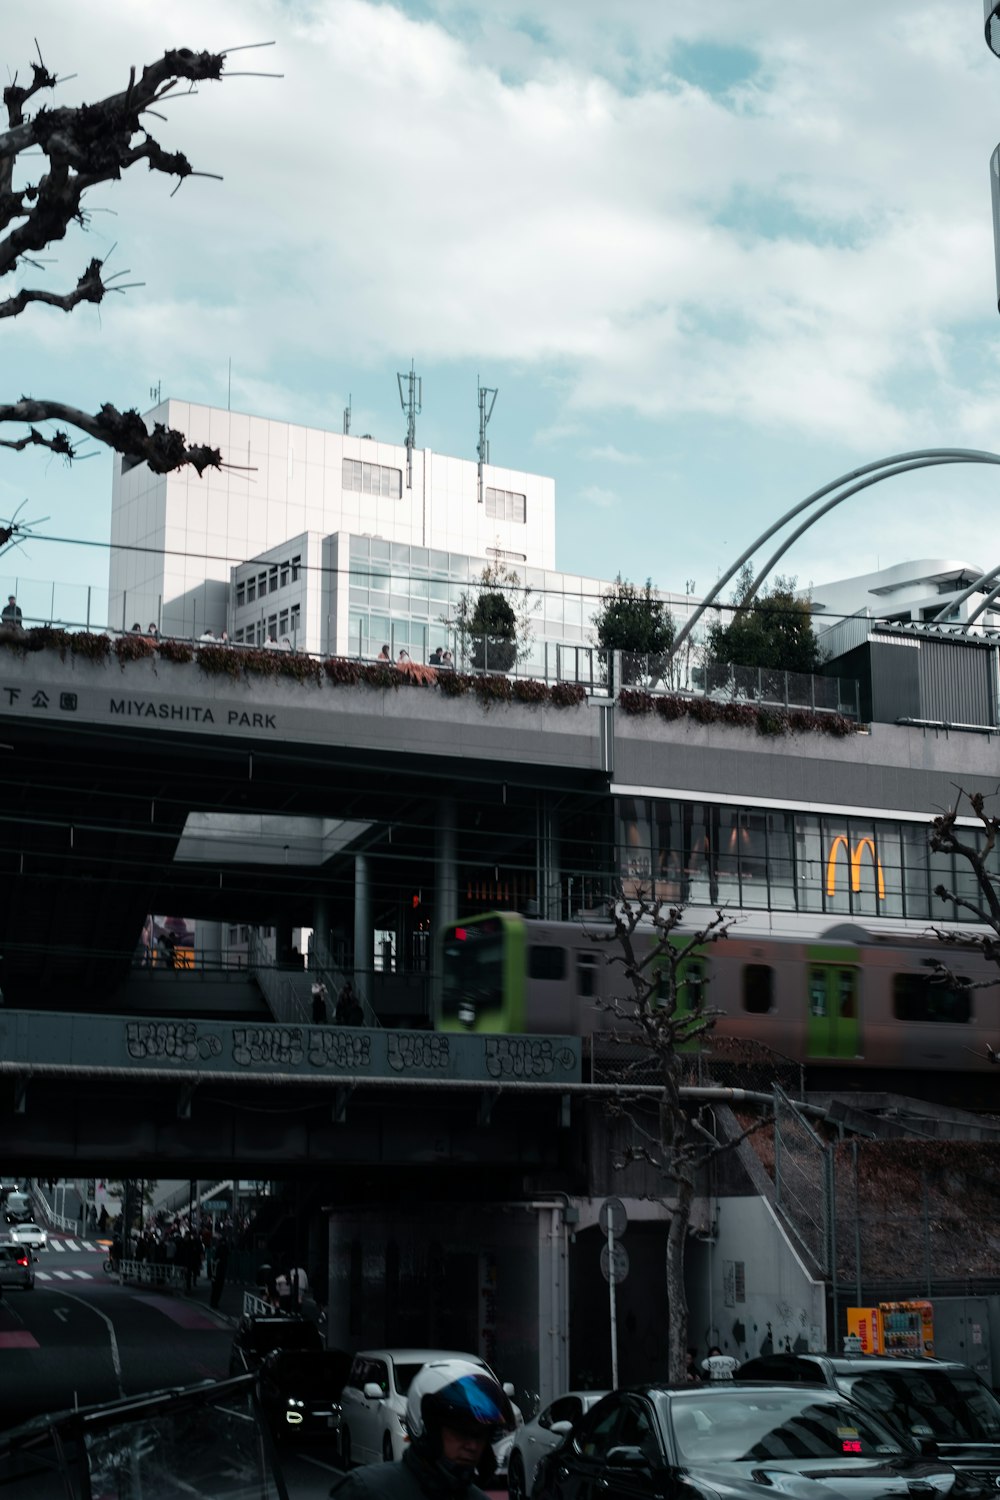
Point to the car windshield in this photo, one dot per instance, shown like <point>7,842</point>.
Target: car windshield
<point>748,1425</point>
<point>934,1403</point>
<point>404,1374</point>
<point>284,1336</point>
<point>319,1371</point>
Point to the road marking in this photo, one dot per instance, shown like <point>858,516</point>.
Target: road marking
<point>18,1338</point>
<point>63,1275</point>
<point>83,1275</point>
<point>71,1245</point>
<point>61,1314</point>
<point>56,1245</point>
<point>115,1356</point>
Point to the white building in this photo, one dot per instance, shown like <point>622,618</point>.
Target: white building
<point>317,536</point>
<point>906,593</point>
<point>285,481</point>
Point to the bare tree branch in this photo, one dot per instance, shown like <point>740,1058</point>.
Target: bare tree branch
<point>82,147</point>
<point>164,449</point>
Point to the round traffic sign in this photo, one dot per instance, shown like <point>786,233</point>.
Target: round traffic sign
<point>614,1268</point>
<point>613,1213</point>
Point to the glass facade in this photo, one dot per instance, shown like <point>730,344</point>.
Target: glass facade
<point>711,854</point>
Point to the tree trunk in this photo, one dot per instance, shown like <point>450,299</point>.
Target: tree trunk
<point>677,1310</point>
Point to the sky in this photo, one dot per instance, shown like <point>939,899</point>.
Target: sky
<point>712,257</point>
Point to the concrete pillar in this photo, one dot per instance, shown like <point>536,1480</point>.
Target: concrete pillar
<point>362,930</point>
<point>208,944</point>
<point>547,862</point>
<point>553,1302</point>
<point>445,890</point>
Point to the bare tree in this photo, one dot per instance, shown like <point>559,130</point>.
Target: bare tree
<point>50,159</point>
<point>979,853</point>
<point>664,1002</point>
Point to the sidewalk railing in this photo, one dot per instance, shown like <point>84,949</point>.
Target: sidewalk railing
<point>153,1273</point>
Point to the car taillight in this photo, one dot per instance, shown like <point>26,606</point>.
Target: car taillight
<point>23,1260</point>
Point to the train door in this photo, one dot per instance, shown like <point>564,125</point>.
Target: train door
<point>834,1024</point>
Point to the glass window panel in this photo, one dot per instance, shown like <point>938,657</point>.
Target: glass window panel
<point>419,557</point>
<point>379,599</point>
<point>634,843</point>
<point>380,549</point>
<point>941,873</point>
<point>836,847</point>
<point>296,568</point>
<point>887,842</point>
<point>726,848</point>
<point>360,546</point>
<point>251,590</point>
<point>867,880</point>
<point>810,869</point>
<point>699,870</point>
<point>241,594</point>
<point>758,988</point>
<point>915,852</point>
<point>439,564</point>
<point>284,575</point>
<point>358,596</point>
<point>667,851</point>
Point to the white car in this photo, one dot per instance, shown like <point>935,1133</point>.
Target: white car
<point>541,1435</point>
<point>373,1402</point>
<point>28,1234</point>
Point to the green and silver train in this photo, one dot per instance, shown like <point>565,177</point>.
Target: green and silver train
<point>847,996</point>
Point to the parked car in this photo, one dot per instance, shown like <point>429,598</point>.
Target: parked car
<point>940,1407</point>
<point>16,1268</point>
<point>544,1432</point>
<point>257,1337</point>
<point>29,1234</point>
<point>300,1390</point>
<point>374,1403</point>
<point>738,1441</point>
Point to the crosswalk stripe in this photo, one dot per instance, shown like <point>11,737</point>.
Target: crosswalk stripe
<point>56,1245</point>
<point>71,1244</point>
<point>86,1245</point>
<point>83,1275</point>
<point>63,1275</point>
<point>43,1275</point>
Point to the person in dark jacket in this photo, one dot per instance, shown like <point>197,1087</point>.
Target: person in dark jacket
<point>455,1410</point>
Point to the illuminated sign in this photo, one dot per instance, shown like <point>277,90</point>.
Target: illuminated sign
<point>853,857</point>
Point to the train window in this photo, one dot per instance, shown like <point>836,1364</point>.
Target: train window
<point>846,992</point>
<point>918,997</point>
<point>817,992</point>
<point>694,979</point>
<point>758,988</point>
<point>586,974</point>
<point>545,961</point>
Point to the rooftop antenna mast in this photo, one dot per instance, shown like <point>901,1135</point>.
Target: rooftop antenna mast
<point>485,412</point>
<point>347,415</point>
<point>411,403</point>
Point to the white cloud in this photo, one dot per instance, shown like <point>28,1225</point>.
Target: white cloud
<point>804,252</point>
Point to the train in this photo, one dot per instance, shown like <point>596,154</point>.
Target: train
<point>849,998</point>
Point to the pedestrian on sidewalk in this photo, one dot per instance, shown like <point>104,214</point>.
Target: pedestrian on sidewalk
<point>219,1274</point>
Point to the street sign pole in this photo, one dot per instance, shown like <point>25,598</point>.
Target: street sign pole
<point>612,1278</point>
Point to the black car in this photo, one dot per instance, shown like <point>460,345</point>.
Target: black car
<point>257,1337</point>
<point>939,1406</point>
<point>737,1442</point>
<point>300,1390</point>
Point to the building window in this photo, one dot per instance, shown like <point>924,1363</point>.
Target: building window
<point>372,479</point>
<point>295,617</point>
<point>272,627</point>
<point>251,590</point>
<point>296,568</point>
<point>261,584</point>
<point>284,574</point>
<point>506,505</point>
<point>241,595</point>
<point>237,637</point>
<point>234,934</point>
<point>273,571</point>
<point>283,622</point>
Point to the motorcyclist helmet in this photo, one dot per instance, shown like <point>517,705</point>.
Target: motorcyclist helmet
<point>457,1394</point>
